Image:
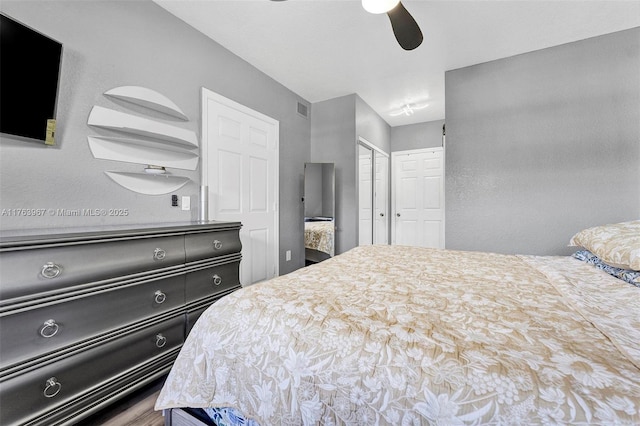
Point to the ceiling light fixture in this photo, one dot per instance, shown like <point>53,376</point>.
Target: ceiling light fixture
<point>379,6</point>
<point>408,109</point>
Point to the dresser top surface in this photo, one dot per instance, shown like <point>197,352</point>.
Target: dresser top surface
<point>23,237</point>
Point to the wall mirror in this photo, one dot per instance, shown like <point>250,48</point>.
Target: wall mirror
<point>319,211</point>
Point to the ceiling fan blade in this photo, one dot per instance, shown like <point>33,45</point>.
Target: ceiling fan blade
<point>405,28</point>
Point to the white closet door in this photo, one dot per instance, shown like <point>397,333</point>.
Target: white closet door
<point>365,196</point>
<point>240,166</point>
<point>418,198</point>
<point>381,200</point>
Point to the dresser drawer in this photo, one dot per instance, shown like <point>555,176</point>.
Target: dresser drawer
<point>45,329</point>
<point>209,244</point>
<point>31,271</point>
<point>210,281</point>
<point>31,394</point>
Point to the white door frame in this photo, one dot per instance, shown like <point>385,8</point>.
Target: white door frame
<point>393,187</point>
<point>206,95</point>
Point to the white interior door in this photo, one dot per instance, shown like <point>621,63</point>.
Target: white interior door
<point>240,168</point>
<point>365,196</point>
<point>418,198</point>
<point>381,200</point>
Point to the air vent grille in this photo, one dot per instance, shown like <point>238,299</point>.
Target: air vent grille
<point>303,110</point>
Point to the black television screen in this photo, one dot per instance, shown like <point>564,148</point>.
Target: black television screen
<point>29,69</point>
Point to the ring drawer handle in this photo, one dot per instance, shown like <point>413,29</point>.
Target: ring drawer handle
<point>52,388</point>
<point>51,270</point>
<point>217,280</point>
<point>49,329</point>
<point>160,340</point>
<point>159,254</point>
<point>217,244</point>
<point>160,297</point>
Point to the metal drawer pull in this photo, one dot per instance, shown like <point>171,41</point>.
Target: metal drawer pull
<point>160,340</point>
<point>217,244</point>
<point>53,388</point>
<point>216,279</point>
<point>51,270</point>
<point>160,297</point>
<point>159,254</point>
<point>49,328</point>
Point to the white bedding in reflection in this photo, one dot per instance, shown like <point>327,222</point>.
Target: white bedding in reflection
<point>319,236</point>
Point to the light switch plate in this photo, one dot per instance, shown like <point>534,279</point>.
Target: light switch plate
<point>186,202</point>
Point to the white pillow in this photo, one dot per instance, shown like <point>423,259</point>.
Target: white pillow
<point>616,244</point>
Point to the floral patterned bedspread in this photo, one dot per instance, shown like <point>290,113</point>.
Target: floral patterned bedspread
<point>319,236</point>
<point>410,336</point>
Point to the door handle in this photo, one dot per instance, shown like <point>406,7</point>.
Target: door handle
<point>381,214</point>
<point>398,214</point>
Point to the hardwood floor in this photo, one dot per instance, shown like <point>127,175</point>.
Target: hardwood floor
<point>135,409</point>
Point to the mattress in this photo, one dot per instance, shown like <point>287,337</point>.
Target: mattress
<point>407,335</point>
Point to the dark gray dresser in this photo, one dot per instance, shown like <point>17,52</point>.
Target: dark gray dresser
<point>89,316</point>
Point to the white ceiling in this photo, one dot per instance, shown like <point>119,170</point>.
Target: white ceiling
<point>322,49</point>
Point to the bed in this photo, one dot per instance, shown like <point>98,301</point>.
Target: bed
<point>318,239</point>
<point>410,336</point>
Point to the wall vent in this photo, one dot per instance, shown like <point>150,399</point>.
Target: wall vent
<point>303,110</point>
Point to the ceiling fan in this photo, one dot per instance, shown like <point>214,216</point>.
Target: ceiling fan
<point>405,28</point>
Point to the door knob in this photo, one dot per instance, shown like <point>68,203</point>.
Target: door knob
<point>381,214</point>
<point>398,214</point>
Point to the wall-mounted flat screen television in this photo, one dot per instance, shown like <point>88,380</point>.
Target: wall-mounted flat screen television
<point>29,71</point>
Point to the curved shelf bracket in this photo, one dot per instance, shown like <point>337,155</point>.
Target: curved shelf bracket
<point>127,123</point>
<point>147,98</point>
<point>141,152</point>
<point>148,184</point>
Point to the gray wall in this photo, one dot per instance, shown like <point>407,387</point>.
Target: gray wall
<point>115,43</point>
<point>417,136</point>
<point>370,126</point>
<point>333,136</point>
<point>336,125</point>
<point>542,145</point>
